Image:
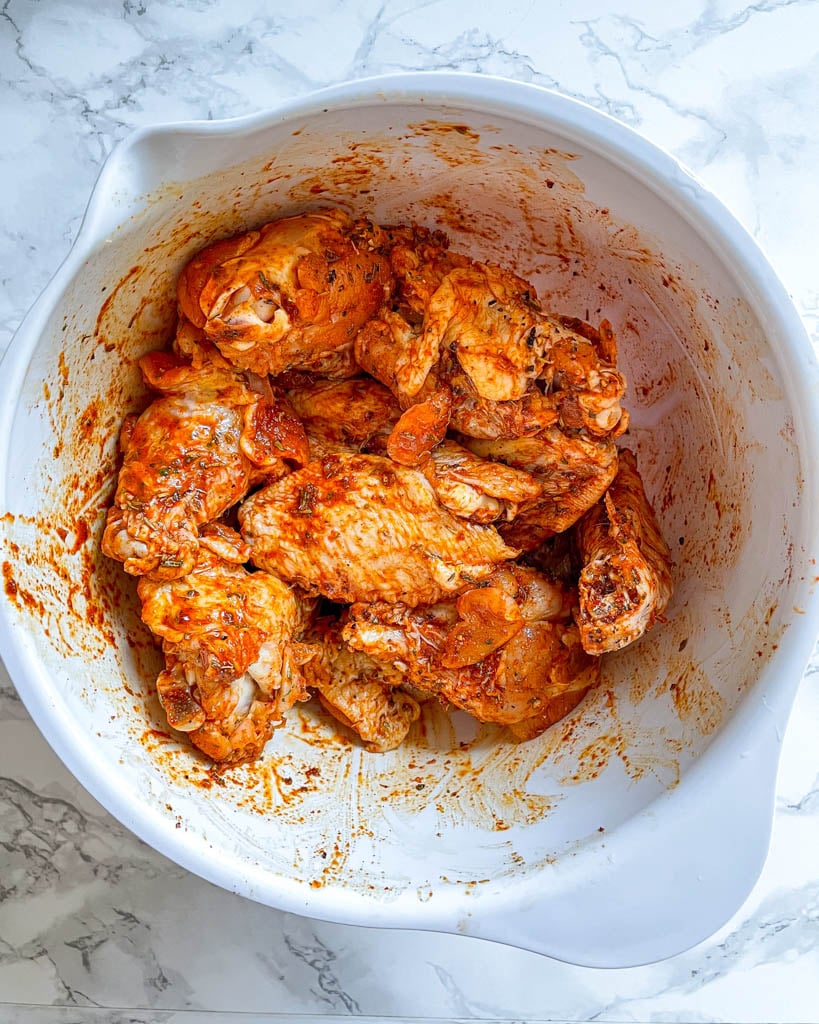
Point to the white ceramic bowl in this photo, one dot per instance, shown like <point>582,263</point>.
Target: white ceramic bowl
<point>626,833</point>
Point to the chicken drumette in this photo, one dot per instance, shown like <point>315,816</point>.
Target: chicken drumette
<point>232,667</point>
<point>293,293</point>
<point>625,584</point>
<point>193,453</point>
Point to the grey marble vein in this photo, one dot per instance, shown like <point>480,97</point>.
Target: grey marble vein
<point>317,956</point>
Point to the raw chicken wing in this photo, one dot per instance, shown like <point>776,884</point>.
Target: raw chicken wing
<point>362,416</point>
<point>359,692</point>
<point>192,454</point>
<point>344,415</point>
<point>230,671</point>
<point>625,584</point>
<point>475,488</point>
<point>485,339</point>
<point>491,321</point>
<point>479,417</point>
<point>420,259</point>
<point>506,652</point>
<point>290,294</point>
<point>360,528</point>
<point>421,428</point>
<point>573,473</point>
<point>394,352</point>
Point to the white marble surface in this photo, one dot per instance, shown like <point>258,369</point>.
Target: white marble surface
<point>89,917</point>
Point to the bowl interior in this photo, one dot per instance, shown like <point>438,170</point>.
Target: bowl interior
<point>458,808</point>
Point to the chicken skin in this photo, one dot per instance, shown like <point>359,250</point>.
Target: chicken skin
<point>360,528</point>
<point>344,416</point>
<point>625,584</point>
<point>474,416</point>
<point>573,473</point>
<point>489,321</point>
<point>484,360</point>
<point>291,294</point>
<point>231,671</point>
<point>359,692</point>
<point>421,428</point>
<point>393,347</point>
<point>189,457</point>
<point>477,489</point>
<point>506,652</point>
<point>390,350</point>
<point>420,259</point>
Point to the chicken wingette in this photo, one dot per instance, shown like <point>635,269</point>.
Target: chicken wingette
<point>361,528</point>
<point>363,416</point>
<point>573,473</point>
<point>359,692</point>
<point>477,489</point>
<point>486,323</point>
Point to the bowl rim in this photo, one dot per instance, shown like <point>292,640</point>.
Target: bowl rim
<point>776,685</point>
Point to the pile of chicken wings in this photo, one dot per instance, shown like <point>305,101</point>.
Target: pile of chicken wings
<point>377,472</point>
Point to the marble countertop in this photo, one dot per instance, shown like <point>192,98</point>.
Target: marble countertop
<point>92,922</point>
